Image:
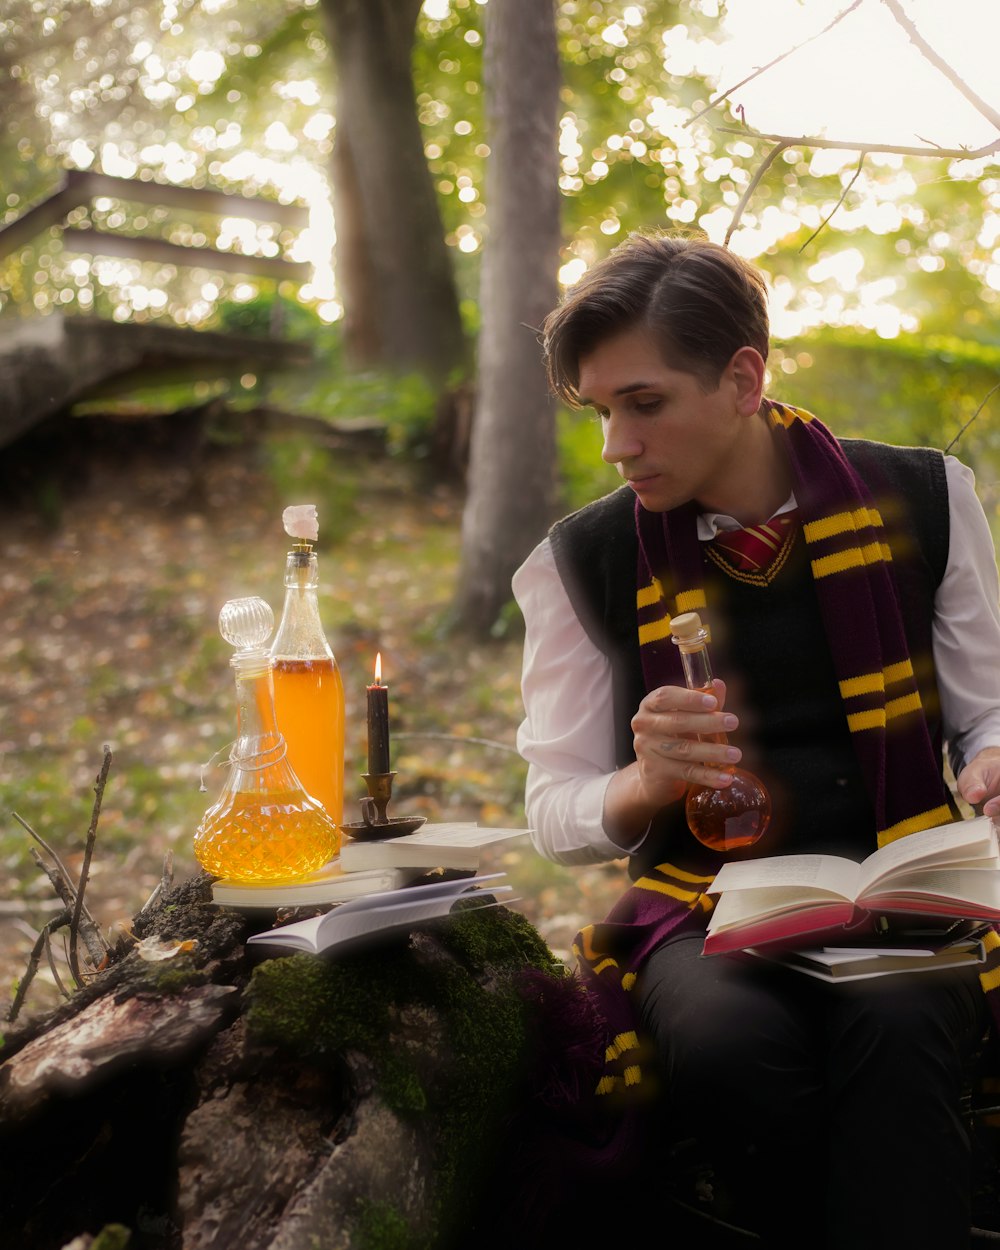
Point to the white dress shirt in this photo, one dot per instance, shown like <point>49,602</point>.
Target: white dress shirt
<point>568,734</point>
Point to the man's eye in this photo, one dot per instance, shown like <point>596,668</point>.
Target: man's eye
<point>647,405</point>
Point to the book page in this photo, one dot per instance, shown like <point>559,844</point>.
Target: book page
<point>412,894</point>
<point>954,843</point>
<point>814,876</point>
<point>740,907</point>
<point>975,891</point>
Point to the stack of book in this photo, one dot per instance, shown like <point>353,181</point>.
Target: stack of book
<point>376,887</point>
<point>921,902</point>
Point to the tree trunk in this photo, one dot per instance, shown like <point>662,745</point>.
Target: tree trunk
<point>393,267</point>
<point>512,462</point>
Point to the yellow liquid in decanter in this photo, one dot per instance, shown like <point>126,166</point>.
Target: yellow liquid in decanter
<point>270,836</point>
<point>264,827</point>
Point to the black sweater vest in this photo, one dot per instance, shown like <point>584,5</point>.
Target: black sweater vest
<point>770,646</point>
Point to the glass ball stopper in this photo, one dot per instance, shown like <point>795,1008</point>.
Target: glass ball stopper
<point>246,624</point>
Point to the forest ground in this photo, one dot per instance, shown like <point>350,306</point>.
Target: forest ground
<point>120,541</point>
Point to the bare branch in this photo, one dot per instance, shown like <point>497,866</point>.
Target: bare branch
<point>33,960</point>
<point>53,969</point>
<point>971,419</point>
<point>856,145</point>
<point>762,169</point>
<point>928,148</point>
<point>47,849</point>
<point>96,945</point>
<point>88,851</point>
<point>63,885</point>
<point>167,875</point>
<point>941,65</point>
<point>764,68</point>
<point>843,197</point>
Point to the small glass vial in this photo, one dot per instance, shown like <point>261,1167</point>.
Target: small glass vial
<point>737,815</point>
<point>264,827</point>
<point>308,688</point>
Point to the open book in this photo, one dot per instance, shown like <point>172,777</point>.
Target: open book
<point>432,846</point>
<point>950,870</point>
<point>365,920</point>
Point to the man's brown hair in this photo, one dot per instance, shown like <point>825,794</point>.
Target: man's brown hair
<point>699,302</point>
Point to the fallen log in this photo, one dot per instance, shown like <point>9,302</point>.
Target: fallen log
<point>192,1096</point>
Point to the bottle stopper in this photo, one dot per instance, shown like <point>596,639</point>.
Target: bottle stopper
<point>687,631</point>
<point>246,624</point>
<point>301,522</point>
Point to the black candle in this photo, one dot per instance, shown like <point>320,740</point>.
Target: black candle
<point>378,722</point>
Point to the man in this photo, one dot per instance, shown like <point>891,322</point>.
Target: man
<point>856,635</point>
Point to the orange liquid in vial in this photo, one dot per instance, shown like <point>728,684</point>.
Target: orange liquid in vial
<point>264,836</point>
<point>309,710</point>
<point>729,819</point>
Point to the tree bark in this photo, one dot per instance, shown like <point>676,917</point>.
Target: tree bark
<point>393,267</point>
<point>512,460</point>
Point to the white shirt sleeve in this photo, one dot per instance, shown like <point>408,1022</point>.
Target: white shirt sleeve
<point>567,735</point>
<point>966,634</point>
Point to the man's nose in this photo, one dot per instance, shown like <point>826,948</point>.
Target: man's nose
<point>620,442</point>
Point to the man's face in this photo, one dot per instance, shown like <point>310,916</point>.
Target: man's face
<point>669,438</point>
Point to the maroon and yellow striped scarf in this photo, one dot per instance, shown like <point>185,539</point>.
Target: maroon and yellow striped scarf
<point>851,566</point>
<point>851,563</point>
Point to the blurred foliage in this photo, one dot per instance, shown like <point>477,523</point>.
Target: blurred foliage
<point>220,93</point>
<point>269,315</point>
<point>240,97</point>
<point>922,391</point>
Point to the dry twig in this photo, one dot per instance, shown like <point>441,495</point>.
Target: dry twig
<point>762,169</point>
<point>67,892</point>
<point>762,69</point>
<point>940,64</point>
<point>162,886</point>
<point>88,852</point>
<point>33,960</point>
<point>843,197</point>
<point>991,391</point>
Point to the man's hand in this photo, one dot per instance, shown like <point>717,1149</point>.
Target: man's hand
<point>667,728</point>
<point>979,781</point>
<point>670,755</point>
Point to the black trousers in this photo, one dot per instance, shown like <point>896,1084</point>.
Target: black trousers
<point>833,1110</point>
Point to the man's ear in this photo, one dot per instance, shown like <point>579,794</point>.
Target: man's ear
<point>746,371</point>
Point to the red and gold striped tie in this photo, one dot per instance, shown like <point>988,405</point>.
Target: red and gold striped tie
<point>752,549</point>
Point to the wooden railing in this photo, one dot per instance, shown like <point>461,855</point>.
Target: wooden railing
<point>79,187</point>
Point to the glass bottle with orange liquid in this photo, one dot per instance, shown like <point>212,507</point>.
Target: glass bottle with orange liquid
<point>738,815</point>
<point>264,826</point>
<point>308,689</point>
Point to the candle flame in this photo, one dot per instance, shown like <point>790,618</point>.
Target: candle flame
<point>378,668</point>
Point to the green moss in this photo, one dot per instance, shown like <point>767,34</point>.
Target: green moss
<point>381,1227</point>
<point>175,975</point>
<point>318,1008</point>
<point>487,938</point>
<point>112,1237</point>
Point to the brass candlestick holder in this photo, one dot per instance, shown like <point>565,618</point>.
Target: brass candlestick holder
<point>375,822</point>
